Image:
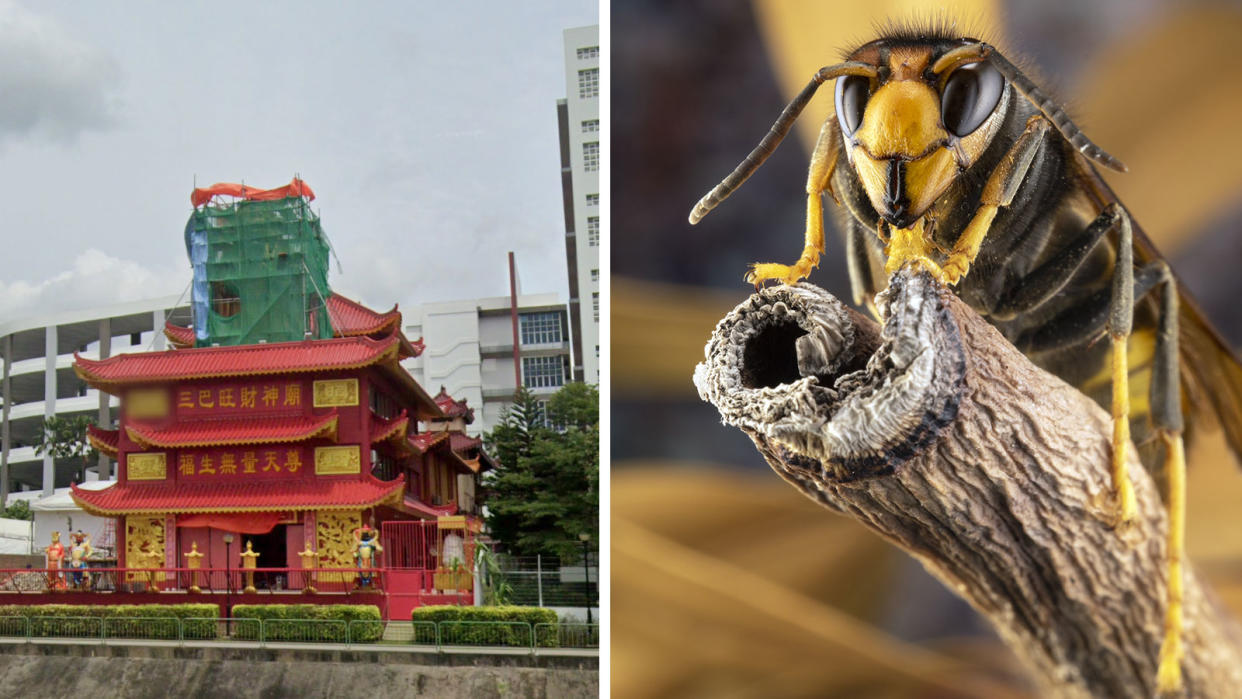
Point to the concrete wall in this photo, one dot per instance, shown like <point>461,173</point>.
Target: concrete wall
<point>137,672</point>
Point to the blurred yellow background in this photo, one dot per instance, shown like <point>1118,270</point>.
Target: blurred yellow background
<point>725,581</point>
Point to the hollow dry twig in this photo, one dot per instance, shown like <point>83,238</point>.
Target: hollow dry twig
<point>940,436</point>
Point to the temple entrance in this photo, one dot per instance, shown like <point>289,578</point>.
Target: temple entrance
<point>273,553</point>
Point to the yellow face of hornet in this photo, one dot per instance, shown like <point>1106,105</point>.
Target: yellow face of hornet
<point>910,132</point>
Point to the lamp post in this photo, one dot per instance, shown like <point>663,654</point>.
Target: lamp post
<point>584,537</point>
<point>228,585</point>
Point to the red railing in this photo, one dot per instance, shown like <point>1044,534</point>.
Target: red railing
<point>206,580</point>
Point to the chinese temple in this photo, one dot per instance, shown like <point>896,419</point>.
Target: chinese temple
<point>283,418</point>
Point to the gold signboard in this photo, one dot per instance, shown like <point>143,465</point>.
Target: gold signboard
<point>146,403</point>
<point>150,466</point>
<point>336,392</point>
<point>334,460</point>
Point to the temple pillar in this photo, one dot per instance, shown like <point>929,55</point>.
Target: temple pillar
<point>308,531</point>
<point>170,539</point>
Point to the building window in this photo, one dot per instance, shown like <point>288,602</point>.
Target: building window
<point>135,339</point>
<point>590,126</point>
<point>588,82</point>
<point>382,404</point>
<point>597,352</point>
<point>543,372</point>
<point>592,200</point>
<point>595,304</point>
<point>595,275</point>
<point>540,328</point>
<point>590,156</point>
<point>542,417</point>
<point>593,230</point>
<point>383,466</point>
<point>588,52</point>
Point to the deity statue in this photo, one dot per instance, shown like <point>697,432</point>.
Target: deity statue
<point>55,555</point>
<point>194,561</point>
<point>309,556</point>
<point>366,552</point>
<point>250,559</point>
<point>78,553</point>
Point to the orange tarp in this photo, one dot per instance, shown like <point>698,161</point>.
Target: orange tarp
<point>296,188</point>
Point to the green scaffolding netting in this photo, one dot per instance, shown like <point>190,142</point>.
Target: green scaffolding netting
<point>260,272</point>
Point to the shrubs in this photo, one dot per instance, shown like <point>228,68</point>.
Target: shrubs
<point>153,621</point>
<point>308,622</point>
<point>465,625</point>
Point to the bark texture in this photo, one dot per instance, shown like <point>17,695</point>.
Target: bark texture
<point>939,435</point>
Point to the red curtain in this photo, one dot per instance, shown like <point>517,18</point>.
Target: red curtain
<point>240,522</point>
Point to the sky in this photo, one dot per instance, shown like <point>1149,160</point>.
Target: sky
<point>428,136</point>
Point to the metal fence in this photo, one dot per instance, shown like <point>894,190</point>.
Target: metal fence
<point>415,636</point>
<point>547,581</point>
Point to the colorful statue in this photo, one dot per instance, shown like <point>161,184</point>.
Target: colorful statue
<point>55,555</point>
<point>78,553</point>
<point>250,560</point>
<point>309,562</point>
<point>366,552</point>
<point>194,561</point>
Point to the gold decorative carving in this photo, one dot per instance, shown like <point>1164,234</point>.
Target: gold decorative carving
<point>146,403</point>
<point>148,466</point>
<point>335,533</point>
<point>144,546</point>
<point>334,392</point>
<point>333,460</point>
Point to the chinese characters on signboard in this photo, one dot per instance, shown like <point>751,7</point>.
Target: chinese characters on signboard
<point>242,462</point>
<point>259,397</point>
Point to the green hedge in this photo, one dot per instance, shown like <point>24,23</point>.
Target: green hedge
<point>114,620</point>
<point>474,633</point>
<point>309,622</point>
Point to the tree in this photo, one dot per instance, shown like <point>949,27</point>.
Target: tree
<point>65,438</point>
<point>19,509</point>
<point>546,490</point>
<point>496,588</point>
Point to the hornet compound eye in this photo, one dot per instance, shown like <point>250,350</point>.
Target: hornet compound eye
<point>852,94</point>
<point>970,95</point>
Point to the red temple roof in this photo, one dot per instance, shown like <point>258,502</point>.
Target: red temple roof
<point>247,496</point>
<point>242,360</point>
<point>233,430</point>
<point>352,318</point>
<point>454,408</point>
<point>393,430</point>
<point>180,336</point>
<point>349,319</point>
<point>419,507</point>
<point>462,442</point>
<point>105,441</point>
<point>425,440</point>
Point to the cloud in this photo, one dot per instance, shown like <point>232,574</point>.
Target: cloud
<point>94,280</point>
<point>53,86</point>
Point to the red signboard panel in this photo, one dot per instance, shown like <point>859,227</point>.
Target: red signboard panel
<point>246,462</point>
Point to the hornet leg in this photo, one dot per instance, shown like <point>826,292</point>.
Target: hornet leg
<point>999,191</point>
<point>1120,324</point>
<point>1166,413</point>
<point>823,162</point>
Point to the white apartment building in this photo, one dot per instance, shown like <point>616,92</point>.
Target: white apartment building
<point>39,381</point>
<point>578,119</point>
<point>471,350</point>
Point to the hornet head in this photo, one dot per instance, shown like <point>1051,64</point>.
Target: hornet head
<point>916,125</point>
